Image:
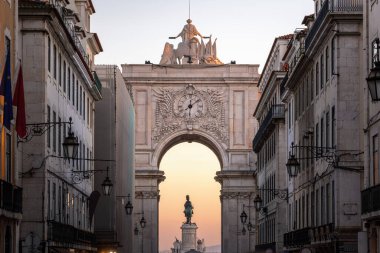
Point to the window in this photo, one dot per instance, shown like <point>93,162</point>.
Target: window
<point>317,135</point>
<point>88,111</point>
<point>332,201</point>
<point>375,160</point>
<point>54,202</point>
<point>68,83</point>
<point>328,129</point>
<point>60,70</point>
<point>312,84</point>
<point>333,124</point>
<point>77,95</point>
<point>317,208</point>
<point>328,200</point>
<point>59,203</point>
<point>327,59</point>
<point>303,211</point>
<point>54,132</point>
<point>64,77</point>
<point>55,62</point>
<point>333,56</point>
<point>49,54</point>
<point>48,131</point>
<point>375,51</point>
<point>48,200</point>
<point>80,100</point>
<point>323,215</point>
<point>307,210</point>
<point>73,89</point>
<point>322,133</point>
<point>84,106</point>
<point>59,136</point>
<point>322,72</point>
<point>8,158</point>
<point>312,209</point>
<point>317,79</point>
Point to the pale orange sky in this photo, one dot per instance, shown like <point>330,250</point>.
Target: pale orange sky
<point>190,170</point>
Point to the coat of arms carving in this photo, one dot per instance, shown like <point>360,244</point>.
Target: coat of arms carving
<point>189,108</point>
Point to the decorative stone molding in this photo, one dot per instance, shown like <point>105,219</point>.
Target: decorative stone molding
<point>235,195</point>
<point>174,113</point>
<point>147,195</point>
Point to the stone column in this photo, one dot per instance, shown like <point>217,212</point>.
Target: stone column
<point>146,204</point>
<point>189,237</point>
<point>238,189</point>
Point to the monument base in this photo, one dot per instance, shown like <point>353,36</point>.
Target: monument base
<point>189,237</point>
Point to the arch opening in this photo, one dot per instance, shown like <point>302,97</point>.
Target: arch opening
<point>190,165</point>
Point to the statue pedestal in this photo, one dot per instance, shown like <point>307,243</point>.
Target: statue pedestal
<point>189,237</point>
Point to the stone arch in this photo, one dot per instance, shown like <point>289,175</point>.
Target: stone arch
<point>194,136</point>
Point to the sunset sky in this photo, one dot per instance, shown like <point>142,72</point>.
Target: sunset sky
<point>190,170</point>
<point>132,31</point>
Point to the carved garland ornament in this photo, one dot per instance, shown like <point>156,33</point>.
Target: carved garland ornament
<point>189,108</point>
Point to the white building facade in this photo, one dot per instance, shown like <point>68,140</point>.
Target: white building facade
<point>58,52</point>
<point>323,111</point>
<point>369,238</point>
<point>270,146</point>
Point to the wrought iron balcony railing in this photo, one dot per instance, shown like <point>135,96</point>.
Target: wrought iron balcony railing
<point>297,238</point>
<point>275,113</point>
<point>266,246</point>
<point>63,233</point>
<point>332,6</point>
<point>10,197</point>
<point>98,84</point>
<point>371,199</point>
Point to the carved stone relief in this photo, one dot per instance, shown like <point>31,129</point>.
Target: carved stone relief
<point>189,109</point>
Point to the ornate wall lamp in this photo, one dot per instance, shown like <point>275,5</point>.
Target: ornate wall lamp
<point>373,79</point>
<point>330,155</point>
<point>244,217</point>
<point>128,206</point>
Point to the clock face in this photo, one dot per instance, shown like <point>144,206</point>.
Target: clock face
<point>190,106</point>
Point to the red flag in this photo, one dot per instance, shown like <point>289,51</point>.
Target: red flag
<point>19,101</point>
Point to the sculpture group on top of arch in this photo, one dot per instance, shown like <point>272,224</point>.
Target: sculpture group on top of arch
<point>192,50</point>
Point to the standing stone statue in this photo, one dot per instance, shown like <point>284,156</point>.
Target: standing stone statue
<point>188,210</point>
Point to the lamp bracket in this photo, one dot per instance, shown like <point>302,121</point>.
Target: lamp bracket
<point>280,193</point>
<point>38,129</point>
<point>328,154</point>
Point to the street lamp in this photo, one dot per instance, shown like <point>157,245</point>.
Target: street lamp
<point>292,166</point>
<point>128,207</point>
<point>258,202</point>
<point>373,79</point>
<point>142,221</point>
<point>107,185</point>
<point>243,216</point>
<point>70,145</point>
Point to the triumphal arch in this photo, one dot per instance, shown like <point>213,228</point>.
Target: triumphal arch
<point>191,96</point>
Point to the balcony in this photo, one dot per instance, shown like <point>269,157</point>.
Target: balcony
<point>371,199</point>
<point>10,197</point>
<point>277,112</point>
<point>329,7</point>
<point>106,239</point>
<point>297,238</point>
<point>62,233</point>
<point>322,233</point>
<point>98,83</point>
<point>265,247</point>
